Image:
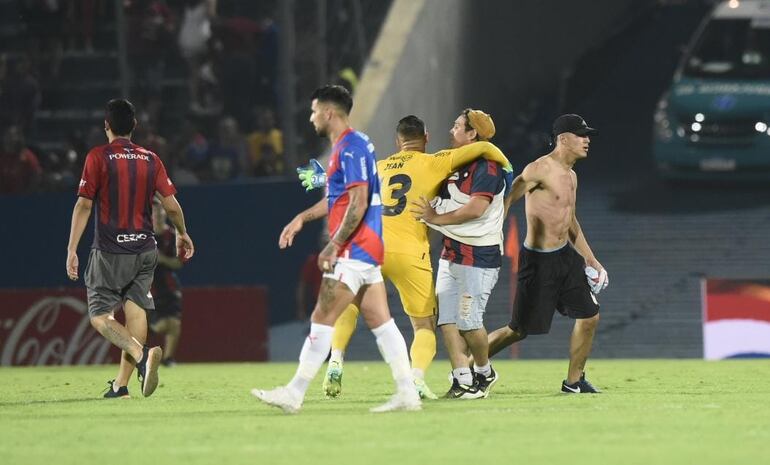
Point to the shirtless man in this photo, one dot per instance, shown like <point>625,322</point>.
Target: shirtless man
<point>555,257</point>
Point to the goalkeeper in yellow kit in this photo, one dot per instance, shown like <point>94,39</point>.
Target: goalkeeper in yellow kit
<point>406,176</point>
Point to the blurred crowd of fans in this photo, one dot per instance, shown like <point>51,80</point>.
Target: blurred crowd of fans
<point>225,127</point>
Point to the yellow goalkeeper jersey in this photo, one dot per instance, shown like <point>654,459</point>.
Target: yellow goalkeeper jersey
<point>406,176</point>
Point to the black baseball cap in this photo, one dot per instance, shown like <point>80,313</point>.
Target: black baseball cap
<point>574,124</point>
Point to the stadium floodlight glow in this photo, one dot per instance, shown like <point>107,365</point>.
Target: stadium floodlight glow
<point>760,126</point>
<point>699,117</point>
<point>696,127</point>
<point>734,4</point>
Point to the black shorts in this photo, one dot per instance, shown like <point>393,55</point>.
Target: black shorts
<point>551,281</point>
<point>111,279</point>
<point>165,307</point>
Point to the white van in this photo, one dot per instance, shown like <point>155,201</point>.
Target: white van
<point>714,120</point>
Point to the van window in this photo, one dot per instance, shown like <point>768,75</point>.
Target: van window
<point>731,49</point>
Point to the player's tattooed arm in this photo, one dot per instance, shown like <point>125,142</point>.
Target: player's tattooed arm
<point>319,210</point>
<point>354,214</point>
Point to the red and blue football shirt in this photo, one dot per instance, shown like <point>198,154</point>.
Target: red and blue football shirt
<point>121,178</point>
<point>353,162</point>
<point>482,178</point>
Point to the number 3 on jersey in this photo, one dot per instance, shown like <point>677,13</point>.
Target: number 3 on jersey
<point>398,186</point>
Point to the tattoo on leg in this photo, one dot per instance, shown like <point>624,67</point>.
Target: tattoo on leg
<point>326,295</point>
<point>112,334</point>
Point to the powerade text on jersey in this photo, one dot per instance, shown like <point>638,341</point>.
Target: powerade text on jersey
<point>352,163</point>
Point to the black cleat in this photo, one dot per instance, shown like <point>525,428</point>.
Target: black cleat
<point>485,383</point>
<point>581,386</point>
<point>147,369</point>
<point>168,362</point>
<point>463,391</point>
<point>121,393</point>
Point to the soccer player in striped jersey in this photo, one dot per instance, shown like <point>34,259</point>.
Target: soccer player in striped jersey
<point>119,181</point>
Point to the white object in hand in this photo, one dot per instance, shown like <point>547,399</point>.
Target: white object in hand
<point>597,280</point>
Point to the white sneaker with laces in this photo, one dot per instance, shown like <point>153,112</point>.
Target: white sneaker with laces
<point>281,397</point>
<point>404,400</point>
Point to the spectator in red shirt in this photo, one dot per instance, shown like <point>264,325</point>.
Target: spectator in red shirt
<point>20,170</point>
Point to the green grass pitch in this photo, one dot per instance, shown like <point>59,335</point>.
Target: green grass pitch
<point>651,412</point>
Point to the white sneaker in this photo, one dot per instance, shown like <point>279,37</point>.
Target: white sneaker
<point>405,400</point>
<point>281,397</point>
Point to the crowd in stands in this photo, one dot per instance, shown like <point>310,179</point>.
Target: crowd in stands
<point>225,129</point>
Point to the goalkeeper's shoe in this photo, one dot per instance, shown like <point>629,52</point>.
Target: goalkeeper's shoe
<point>581,386</point>
<point>403,400</point>
<point>423,390</point>
<point>121,393</point>
<point>282,397</point>
<point>332,385</point>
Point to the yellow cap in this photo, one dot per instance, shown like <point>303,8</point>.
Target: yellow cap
<point>482,123</point>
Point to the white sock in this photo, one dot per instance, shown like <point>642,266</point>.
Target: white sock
<point>463,376</point>
<point>418,373</point>
<point>314,352</point>
<point>485,370</point>
<point>393,349</point>
<point>337,356</point>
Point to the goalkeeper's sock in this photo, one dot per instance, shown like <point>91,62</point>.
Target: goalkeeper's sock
<point>423,349</point>
<point>344,328</point>
<point>393,349</point>
<point>314,352</point>
<point>337,356</point>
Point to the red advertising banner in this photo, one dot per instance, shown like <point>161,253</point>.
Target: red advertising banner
<point>736,318</point>
<point>51,327</point>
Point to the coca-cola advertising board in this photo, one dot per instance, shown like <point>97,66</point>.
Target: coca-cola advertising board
<point>51,327</point>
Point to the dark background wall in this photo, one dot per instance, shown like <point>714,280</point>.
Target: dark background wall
<point>235,228</point>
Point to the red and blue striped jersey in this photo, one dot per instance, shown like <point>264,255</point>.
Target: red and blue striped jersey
<point>353,162</point>
<point>479,178</point>
<point>122,178</point>
<point>165,282</point>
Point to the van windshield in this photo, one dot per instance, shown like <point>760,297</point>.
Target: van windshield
<point>732,48</point>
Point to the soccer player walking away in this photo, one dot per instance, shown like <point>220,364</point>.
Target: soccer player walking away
<point>470,213</point>
<point>120,180</point>
<point>350,261</point>
<point>555,258</point>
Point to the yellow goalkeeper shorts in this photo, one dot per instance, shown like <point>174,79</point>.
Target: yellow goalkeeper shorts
<point>413,278</point>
